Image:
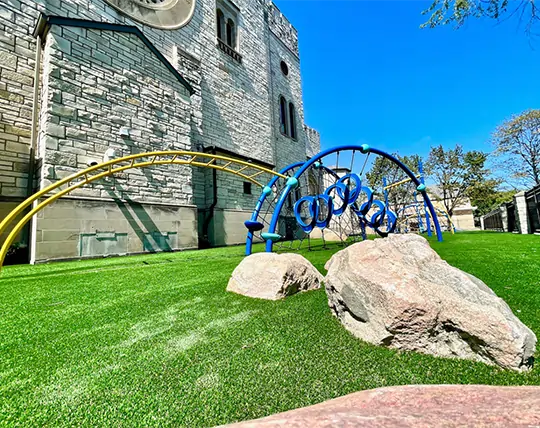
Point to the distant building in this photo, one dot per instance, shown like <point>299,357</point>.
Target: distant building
<point>463,214</point>
<point>220,76</point>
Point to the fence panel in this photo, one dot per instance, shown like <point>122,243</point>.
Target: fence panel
<point>511,212</point>
<point>533,209</point>
<point>493,221</point>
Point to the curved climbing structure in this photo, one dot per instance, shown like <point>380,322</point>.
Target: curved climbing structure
<point>38,201</point>
<point>329,192</point>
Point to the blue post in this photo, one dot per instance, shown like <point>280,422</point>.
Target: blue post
<point>260,202</point>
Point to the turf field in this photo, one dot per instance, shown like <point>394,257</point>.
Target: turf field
<point>156,341</point>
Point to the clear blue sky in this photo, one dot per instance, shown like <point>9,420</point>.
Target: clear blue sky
<point>371,75</point>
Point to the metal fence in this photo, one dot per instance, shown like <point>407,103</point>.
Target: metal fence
<point>511,213</point>
<point>532,198</point>
<point>493,221</point>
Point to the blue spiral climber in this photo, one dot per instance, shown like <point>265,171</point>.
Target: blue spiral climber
<point>337,199</point>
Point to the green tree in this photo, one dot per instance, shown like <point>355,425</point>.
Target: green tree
<point>517,146</point>
<point>486,196</point>
<point>454,173</point>
<point>457,12</point>
<point>382,168</point>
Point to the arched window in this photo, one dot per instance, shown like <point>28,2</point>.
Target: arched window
<point>220,21</point>
<point>231,34</point>
<point>292,121</point>
<point>283,116</point>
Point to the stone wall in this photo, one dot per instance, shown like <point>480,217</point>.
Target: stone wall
<point>78,228</point>
<point>522,219</point>
<point>290,87</point>
<point>313,141</point>
<point>98,84</point>
<point>5,208</point>
<point>283,29</point>
<point>17,55</point>
<point>228,227</point>
<point>234,96</point>
<point>102,82</point>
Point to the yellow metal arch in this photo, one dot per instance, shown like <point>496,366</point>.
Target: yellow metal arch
<point>243,169</point>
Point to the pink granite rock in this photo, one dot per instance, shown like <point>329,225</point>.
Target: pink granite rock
<point>274,276</point>
<point>398,292</point>
<point>429,406</point>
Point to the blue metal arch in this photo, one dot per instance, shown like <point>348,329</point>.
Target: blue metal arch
<point>364,149</point>
<point>260,202</point>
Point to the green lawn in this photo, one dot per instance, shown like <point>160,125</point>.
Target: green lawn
<point>155,340</point>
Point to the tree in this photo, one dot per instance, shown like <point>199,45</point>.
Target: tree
<point>517,145</point>
<point>454,173</point>
<point>443,12</point>
<point>486,196</point>
<point>382,168</point>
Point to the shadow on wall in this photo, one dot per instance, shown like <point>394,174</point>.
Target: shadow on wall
<point>158,242</point>
<point>208,185</point>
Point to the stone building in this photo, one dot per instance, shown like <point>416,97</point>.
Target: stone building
<point>119,77</point>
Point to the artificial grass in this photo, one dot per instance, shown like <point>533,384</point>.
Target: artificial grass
<point>156,341</point>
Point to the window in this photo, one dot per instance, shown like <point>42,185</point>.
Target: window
<point>227,28</point>
<point>283,116</point>
<point>247,188</point>
<point>284,68</point>
<point>287,118</point>
<point>231,34</point>
<point>164,14</point>
<point>292,121</point>
<point>220,21</point>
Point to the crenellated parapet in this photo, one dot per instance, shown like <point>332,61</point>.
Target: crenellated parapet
<point>282,28</point>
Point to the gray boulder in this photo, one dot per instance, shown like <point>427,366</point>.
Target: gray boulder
<point>274,276</point>
<point>399,293</point>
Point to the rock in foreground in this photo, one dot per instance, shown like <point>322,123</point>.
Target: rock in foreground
<point>274,276</point>
<point>399,293</point>
<point>430,406</point>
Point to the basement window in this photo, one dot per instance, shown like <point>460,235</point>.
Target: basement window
<point>247,188</point>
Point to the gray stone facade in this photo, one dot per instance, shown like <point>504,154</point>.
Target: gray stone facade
<point>104,89</point>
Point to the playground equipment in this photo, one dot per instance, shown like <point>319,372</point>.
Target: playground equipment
<point>418,210</point>
<point>412,218</point>
<point>327,197</point>
<point>246,170</point>
<point>300,200</point>
<point>399,211</point>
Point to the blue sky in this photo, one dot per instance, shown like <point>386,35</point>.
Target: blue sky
<point>371,75</point>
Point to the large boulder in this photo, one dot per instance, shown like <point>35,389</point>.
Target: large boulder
<point>398,292</point>
<point>274,276</point>
<point>416,406</point>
